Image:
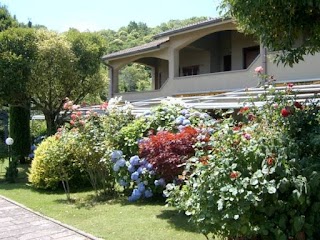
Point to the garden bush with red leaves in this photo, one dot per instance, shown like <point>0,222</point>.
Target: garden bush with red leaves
<point>168,152</point>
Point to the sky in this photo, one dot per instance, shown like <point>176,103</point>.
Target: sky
<point>94,15</point>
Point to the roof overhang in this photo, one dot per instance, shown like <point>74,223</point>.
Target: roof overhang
<point>145,48</point>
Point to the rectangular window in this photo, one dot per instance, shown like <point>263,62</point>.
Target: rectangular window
<point>190,70</point>
<point>227,63</point>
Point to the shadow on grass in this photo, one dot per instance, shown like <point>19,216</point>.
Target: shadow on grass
<point>178,220</point>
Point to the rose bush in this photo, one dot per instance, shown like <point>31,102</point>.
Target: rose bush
<point>259,175</point>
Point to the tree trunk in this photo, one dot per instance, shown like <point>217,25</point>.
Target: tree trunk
<point>51,125</point>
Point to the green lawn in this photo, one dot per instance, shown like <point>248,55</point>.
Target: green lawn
<point>112,219</point>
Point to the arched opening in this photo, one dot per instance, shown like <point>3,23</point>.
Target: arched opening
<point>144,74</point>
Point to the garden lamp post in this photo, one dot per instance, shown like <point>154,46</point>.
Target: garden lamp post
<point>9,142</point>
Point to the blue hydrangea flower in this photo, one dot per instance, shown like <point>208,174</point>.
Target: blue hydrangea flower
<point>134,161</point>
<point>141,170</point>
<point>33,147</point>
<point>149,166</point>
<point>115,155</point>
<point>135,176</point>
<point>160,182</point>
<point>181,127</point>
<point>131,168</point>
<point>148,193</point>
<point>141,187</point>
<point>116,167</point>
<point>143,162</point>
<point>186,122</point>
<point>121,162</point>
<point>184,111</point>
<point>179,120</point>
<point>31,155</point>
<point>123,183</point>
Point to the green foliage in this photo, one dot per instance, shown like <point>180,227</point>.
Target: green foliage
<point>6,20</point>
<point>259,176</point>
<point>280,24</point>
<point>17,52</point>
<point>54,162</point>
<point>38,128</point>
<point>135,77</point>
<point>90,154</point>
<point>20,131</point>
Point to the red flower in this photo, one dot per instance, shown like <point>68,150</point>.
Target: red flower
<point>244,109</point>
<point>285,112</point>
<point>251,116</point>
<point>234,175</point>
<point>270,161</point>
<point>298,105</point>
<point>290,85</point>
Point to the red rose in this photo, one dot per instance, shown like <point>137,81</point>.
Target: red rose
<point>270,161</point>
<point>298,105</point>
<point>234,175</point>
<point>285,112</point>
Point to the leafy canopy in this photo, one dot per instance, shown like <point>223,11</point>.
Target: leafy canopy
<point>291,27</point>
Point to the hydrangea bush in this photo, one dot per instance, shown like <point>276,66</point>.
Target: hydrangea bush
<point>258,176</point>
<point>154,148</point>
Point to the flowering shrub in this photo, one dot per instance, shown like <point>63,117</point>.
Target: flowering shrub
<point>141,179</point>
<point>259,177</point>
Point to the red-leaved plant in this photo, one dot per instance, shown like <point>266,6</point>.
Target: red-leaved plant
<point>168,151</point>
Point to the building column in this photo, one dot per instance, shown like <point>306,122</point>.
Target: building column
<point>115,87</point>
<point>173,63</point>
<point>264,60</point>
<point>111,83</point>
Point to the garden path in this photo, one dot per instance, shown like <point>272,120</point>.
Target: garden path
<point>20,223</point>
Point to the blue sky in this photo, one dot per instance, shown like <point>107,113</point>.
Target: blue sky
<point>60,15</point>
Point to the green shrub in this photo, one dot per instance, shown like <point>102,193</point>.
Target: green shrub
<point>260,176</point>
<point>54,162</point>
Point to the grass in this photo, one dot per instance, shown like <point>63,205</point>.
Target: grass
<point>111,219</point>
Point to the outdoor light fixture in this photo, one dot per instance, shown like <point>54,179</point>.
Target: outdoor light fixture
<point>9,141</point>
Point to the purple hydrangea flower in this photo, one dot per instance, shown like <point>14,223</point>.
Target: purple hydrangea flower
<point>115,155</point>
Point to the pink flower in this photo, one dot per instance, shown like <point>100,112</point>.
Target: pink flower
<point>258,70</point>
<point>73,116</point>
<point>72,122</point>
<point>247,136</point>
<point>275,105</point>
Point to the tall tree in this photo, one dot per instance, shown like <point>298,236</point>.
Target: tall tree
<point>291,27</point>
<point>65,66</point>
<point>17,50</point>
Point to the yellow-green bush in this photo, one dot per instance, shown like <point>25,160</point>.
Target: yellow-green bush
<point>54,157</point>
